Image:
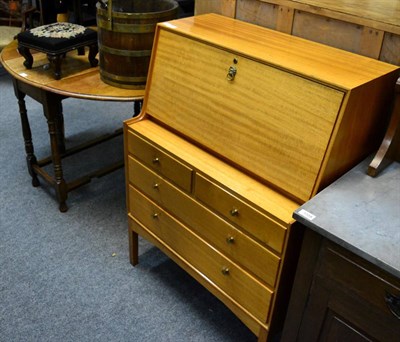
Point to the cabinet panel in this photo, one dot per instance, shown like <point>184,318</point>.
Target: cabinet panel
<point>338,329</point>
<point>281,122</point>
<point>228,239</point>
<point>371,288</point>
<point>238,284</point>
<point>338,296</point>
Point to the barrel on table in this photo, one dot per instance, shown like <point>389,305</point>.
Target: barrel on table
<point>125,36</point>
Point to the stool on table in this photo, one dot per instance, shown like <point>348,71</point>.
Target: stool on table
<point>55,40</point>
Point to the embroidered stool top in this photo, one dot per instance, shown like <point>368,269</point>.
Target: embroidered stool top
<point>55,40</point>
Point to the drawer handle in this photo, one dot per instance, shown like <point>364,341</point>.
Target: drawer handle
<point>231,73</point>
<point>393,304</point>
<point>230,239</point>
<point>156,160</point>
<point>225,271</point>
<point>154,216</point>
<point>234,212</point>
<point>156,186</point>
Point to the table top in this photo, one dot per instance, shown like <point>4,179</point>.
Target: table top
<point>78,80</point>
<point>360,213</point>
<point>382,14</point>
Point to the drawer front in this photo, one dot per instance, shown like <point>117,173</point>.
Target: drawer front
<point>230,278</point>
<point>270,121</point>
<point>362,280</point>
<point>225,237</point>
<point>240,213</point>
<point>160,161</point>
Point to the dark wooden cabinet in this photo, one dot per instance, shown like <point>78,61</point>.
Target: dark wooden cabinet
<point>338,296</point>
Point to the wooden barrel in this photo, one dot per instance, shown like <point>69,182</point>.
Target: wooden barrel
<point>125,36</point>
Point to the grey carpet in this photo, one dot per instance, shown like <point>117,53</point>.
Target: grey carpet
<point>67,276</point>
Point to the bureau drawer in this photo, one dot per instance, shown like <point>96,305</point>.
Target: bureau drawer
<point>215,267</point>
<point>240,213</point>
<point>225,237</point>
<point>160,161</point>
<point>364,282</point>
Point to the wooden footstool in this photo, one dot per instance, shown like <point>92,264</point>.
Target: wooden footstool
<point>56,40</point>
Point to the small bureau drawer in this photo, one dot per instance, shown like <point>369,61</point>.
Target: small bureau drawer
<point>231,279</point>
<point>217,231</point>
<point>240,213</point>
<point>160,161</point>
<point>362,280</point>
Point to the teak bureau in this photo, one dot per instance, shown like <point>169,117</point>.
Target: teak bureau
<point>240,125</point>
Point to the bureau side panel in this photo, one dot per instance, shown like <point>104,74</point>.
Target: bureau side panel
<point>275,124</point>
<point>360,129</point>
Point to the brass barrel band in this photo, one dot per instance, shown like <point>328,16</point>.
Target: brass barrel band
<point>123,52</point>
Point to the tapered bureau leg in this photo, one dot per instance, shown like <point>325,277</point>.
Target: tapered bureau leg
<point>133,247</point>
<point>262,336</point>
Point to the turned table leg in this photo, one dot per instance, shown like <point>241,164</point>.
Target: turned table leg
<point>26,132</point>
<point>51,109</point>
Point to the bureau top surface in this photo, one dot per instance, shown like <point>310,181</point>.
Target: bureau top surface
<point>313,60</point>
<point>360,213</point>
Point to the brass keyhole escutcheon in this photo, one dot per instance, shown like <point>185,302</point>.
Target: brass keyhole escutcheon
<point>231,73</point>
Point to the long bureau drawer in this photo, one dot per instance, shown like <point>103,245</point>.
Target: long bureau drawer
<point>231,279</point>
<point>160,161</point>
<point>228,239</point>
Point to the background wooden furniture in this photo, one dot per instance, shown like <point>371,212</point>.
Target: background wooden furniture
<point>79,81</point>
<point>389,150</point>
<point>216,165</point>
<point>347,285</point>
<point>16,17</point>
<point>367,27</point>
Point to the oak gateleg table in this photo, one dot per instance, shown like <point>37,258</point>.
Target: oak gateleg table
<point>79,80</point>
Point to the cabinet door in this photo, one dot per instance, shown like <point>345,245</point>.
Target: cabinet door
<point>347,300</point>
<point>329,317</point>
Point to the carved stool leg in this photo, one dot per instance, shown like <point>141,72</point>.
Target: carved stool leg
<point>93,50</point>
<point>25,52</point>
<point>55,61</point>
